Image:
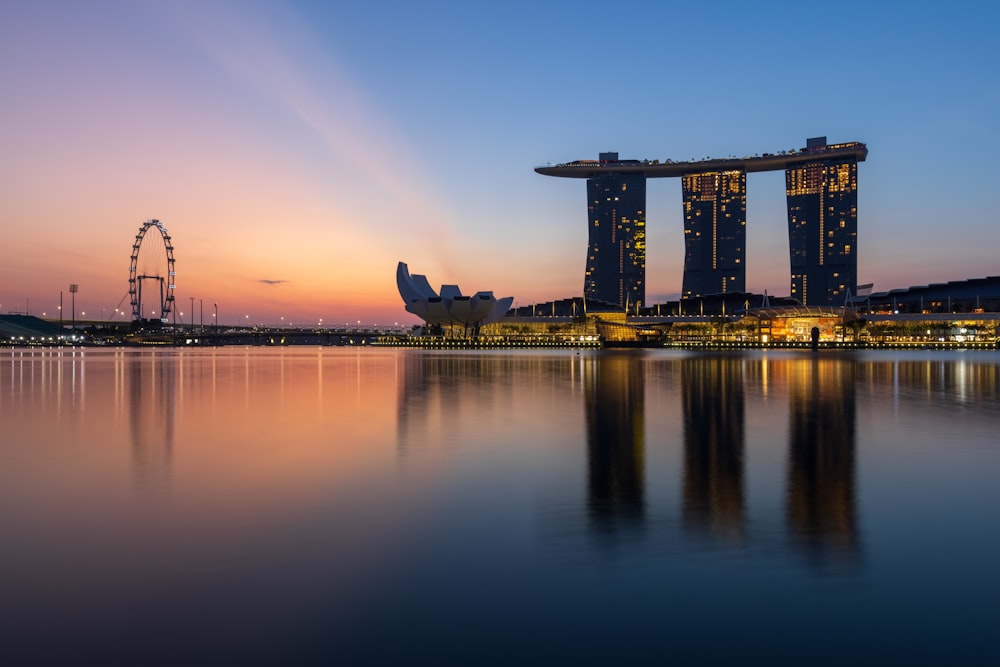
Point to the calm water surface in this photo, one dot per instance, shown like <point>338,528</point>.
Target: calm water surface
<point>371,506</point>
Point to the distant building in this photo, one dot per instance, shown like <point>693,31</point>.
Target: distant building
<point>715,218</point>
<point>616,252</point>
<point>976,295</point>
<point>449,307</point>
<point>822,194</point>
<point>823,226</point>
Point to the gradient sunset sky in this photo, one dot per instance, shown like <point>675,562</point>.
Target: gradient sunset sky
<point>297,150</point>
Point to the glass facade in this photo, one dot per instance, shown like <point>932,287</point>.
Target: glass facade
<point>715,218</point>
<point>823,230</point>
<point>616,253</point>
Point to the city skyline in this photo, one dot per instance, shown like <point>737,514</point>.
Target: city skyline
<point>297,152</point>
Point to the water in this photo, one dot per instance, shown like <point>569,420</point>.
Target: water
<point>367,506</point>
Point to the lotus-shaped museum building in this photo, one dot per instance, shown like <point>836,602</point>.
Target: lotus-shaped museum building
<point>450,307</point>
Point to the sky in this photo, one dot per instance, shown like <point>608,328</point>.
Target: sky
<point>296,151</point>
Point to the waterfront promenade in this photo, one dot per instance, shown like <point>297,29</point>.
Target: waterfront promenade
<point>904,331</point>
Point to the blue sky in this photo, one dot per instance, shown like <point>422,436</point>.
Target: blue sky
<point>297,150</point>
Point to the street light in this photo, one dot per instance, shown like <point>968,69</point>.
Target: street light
<point>73,289</point>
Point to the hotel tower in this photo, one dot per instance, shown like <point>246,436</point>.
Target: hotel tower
<point>821,188</point>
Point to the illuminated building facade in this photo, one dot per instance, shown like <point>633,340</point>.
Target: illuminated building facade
<point>823,226</point>
<point>715,218</point>
<point>616,252</point>
<point>821,190</point>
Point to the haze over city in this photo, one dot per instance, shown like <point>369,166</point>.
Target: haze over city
<point>296,151</point>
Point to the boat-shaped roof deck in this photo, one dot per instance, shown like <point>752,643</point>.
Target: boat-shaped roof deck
<point>668,169</point>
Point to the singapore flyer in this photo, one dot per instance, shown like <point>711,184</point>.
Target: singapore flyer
<point>151,274</point>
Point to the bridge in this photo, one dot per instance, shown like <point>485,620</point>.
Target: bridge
<point>206,336</point>
<point>16,329</point>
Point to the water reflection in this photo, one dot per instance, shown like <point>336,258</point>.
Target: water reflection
<point>712,410</point>
<point>615,413</point>
<point>151,390</point>
<point>448,399</point>
<point>579,502</point>
<point>821,458</point>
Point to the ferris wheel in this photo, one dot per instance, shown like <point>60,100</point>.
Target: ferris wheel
<point>152,261</point>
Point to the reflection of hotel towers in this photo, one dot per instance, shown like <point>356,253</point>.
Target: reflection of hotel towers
<point>614,387</point>
<point>821,188</point>
<point>713,407</point>
<point>151,391</point>
<point>820,501</point>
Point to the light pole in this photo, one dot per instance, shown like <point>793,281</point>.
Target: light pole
<point>73,289</point>
<point>216,314</point>
<point>192,313</point>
